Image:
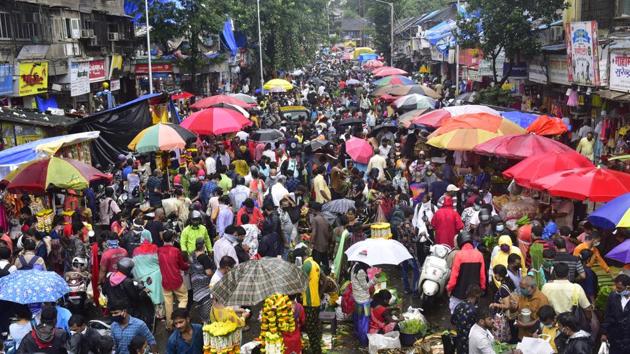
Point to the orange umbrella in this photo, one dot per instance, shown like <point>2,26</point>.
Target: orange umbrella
<point>545,125</point>
<point>466,131</point>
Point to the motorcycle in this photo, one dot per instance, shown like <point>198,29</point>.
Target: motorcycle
<point>78,280</point>
<point>435,274</point>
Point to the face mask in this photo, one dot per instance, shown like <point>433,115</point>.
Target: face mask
<point>476,207</point>
<point>624,293</point>
<point>596,243</point>
<point>429,173</point>
<point>544,325</point>
<point>525,292</point>
<point>500,228</point>
<point>505,248</point>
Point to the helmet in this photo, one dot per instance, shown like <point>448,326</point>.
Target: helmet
<point>463,238</point>
<point>196,214</point>
<point>484,216</point>
<point>125,265</point>
<point>79,263</point>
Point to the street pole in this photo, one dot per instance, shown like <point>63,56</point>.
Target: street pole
<point>457,61</point>
<point>146,12</point>
<point>391,30</point>
<point>260,56</point>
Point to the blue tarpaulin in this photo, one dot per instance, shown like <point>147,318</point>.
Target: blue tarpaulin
<point>6,79</point>
<point>441,35</point>
<point>228,37</point>
<point>44,103</point>
<point>367,56</point>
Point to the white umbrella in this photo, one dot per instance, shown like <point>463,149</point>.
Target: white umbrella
<point>375,251</point>
<point>353,82</point>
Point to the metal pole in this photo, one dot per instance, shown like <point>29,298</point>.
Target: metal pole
<point>391,34</point>
<point>260,49</point>
<point>146,12</point>
<point>457,62</point>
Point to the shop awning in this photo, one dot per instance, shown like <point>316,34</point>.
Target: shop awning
<point>33,51</point>
<point>35,118</point>
<point>610,94</point>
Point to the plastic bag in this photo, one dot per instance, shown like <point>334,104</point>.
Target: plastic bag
<point>604,348</point>
<point>414,313</point>
<point>389,340</point>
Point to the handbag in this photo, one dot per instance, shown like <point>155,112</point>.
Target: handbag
<point>580,316</point>
<point>501,330</point>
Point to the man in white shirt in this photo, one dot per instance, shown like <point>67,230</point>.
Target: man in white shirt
<point>562,294</point>
<point>480,339</point>
<point>225,265</point>
<point>211,166</point>
<point>377,161</point>
<point>321,90</point>
<point>278,191</point>
<point>225,246</point>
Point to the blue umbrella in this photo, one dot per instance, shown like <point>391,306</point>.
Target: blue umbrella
<point>620,253</point>
<point>32,286</point>
<point>520,118</point>
<point>615,213</point>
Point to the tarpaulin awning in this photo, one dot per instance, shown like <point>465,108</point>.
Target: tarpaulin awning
<point>228,36</point>
<point>441,35</point>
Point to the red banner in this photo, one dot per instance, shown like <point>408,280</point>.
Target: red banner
<point>156,68</point>
<point>97,70</point>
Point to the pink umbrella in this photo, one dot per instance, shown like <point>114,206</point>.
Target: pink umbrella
<point>215,121</point>
<point>390,72</point>
<point>520,146</point>
<point>359,150</point>
<point>373,64</point>
<point>219,99</point>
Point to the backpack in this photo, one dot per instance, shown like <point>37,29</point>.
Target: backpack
<point>132,241</point>
<point>5,271</point>
<point>28,265</point>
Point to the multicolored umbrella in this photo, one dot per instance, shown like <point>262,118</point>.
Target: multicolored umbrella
<point>217,100</point>
<point>161,137</point>
<point>614,214</point>
<point>393,80</point>
<point>182,96</point>
<point>32,287</point>
<point>278,85</point>
<point>466,131</point>
<point>215,121</point>
<point>538,166</point>
<point>402,90</point>
<point>245,98</point>
<point>375,251</point>
<point>359,150</point>
<point>390,72</point>
<point>596,184</point>
<point>414,101</point>
<point>436,118</point>
<point>520,146</point>
<point>406,119</point>
<point>620,253</point>
<point>53,172</point>
<point>524,120</point>
<point>253,281</point>
<point>545,125</point>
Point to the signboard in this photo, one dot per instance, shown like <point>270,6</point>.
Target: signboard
<point>485,67</point>
<point>156,68</point>
<point>537,71</point>
<point>32,78</point>
<point>518,70</point>
<point>436,54</point>
<point>79,78</point>
<point>619,71</point>
<point>6,79</point>
<point>114,85</point>
<point>470,57</point>
<point>582,57</point>
<point>97,70</point>
<point>116,67</point>
<point>557,69</point>
<point>603,66</point>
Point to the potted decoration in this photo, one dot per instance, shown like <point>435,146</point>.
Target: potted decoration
<point>411,330</point>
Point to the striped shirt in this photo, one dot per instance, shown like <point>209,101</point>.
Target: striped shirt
<point>574,264</point>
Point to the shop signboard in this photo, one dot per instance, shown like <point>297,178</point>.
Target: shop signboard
<point>97,70</point>
<point>582,57</point>
<point>6,79</point>
<point>620,70</point>
<point>518,70</point>
<point>32,78</point>
<point>603,66</point>
<point>116,67</point>
<point>537,71</point>
<point>557,69</point>
<point>114,85</point>
<point>79,78</point>
<point>155,67</point>
<point>485,67</point>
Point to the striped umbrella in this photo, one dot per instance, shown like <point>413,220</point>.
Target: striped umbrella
<point>393,80</point>
<point>161,137</point>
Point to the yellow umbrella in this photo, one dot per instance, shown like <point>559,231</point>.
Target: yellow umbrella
<point>362,50</point>
<point>278,85</point>
<point>620,158</point>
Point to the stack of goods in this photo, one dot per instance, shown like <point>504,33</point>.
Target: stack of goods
<point>221,338</point>
<point>45,220</point>
<point>277,319</point>
<point>381,230</point>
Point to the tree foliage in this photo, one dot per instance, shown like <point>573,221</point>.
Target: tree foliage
<point>507,26</point>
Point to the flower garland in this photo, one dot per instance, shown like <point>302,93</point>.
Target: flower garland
<point>277,318</point>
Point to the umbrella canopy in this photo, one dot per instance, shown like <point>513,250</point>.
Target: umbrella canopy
<point>538,166</point>
<point>615,213</point>
<point>414,101</point>
<point>390,72</point>
<point>245,98</point>
<point>161,137</point>
<point>524,120</point>
<point>215,121</point>
<point>359,150</point>
<point>402,90</point>
<point>349,121</point>
<point>361,50</point>
<point>466,131</point>
<point>406,119</point>
<point>376,70</point>
<point>239,109</point>
<point>545,125</point>
<point>278,85</point>
<point>520,146</point>
<point>266,135</point>
<point>53,172</point>
<point>182,95</point>
<point>373,64</point>
<point>620,253</point>
<point>593,183</point>
<point>374,251</point>
<point>436,118</point>
<point>32,286</point>
<point>353,82</point>
<point>317,144</point>
<point>393,80</point>
<point>253,281</point>
<point>217,100</point>
<point>339,206</point>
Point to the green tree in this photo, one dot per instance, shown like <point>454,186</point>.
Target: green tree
<point>508,27</point>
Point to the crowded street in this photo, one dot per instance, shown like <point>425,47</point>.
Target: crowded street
<point>333,185</point>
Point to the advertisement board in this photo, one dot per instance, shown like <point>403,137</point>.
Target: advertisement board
<point>79,78</point>
<point>557,69</point>
<point>32,78</point>
<point>620,70</point>
<point>97,70</point>
<point>6,79</point>
<point>582,49</point>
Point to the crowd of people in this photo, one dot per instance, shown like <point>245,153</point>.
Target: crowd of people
<point>520,267</point>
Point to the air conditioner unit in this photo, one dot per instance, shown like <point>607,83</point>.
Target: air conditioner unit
<point>94,42</point>
<point>113,36</point>
<point>85,33</point>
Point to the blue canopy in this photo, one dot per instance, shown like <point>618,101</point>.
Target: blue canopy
<point>367,56</point>
<point>228,37</point>
<point>522,119</point>
<point>441,35</point>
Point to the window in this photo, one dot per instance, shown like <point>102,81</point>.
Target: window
<point>5,25</point>
<point>27,26</point>
<point>623,8</point>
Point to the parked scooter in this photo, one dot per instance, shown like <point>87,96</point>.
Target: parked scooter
<point>435,274</point>
<point>78,280</point>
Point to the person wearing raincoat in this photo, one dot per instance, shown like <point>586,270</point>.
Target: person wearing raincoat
<point>500,255</point>
<point>147,268</point>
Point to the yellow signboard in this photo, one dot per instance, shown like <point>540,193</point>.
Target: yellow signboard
<point>33,78</point>
<point>115,70</point>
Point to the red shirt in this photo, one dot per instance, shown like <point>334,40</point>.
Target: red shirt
<point>109,259</point>
<point>255,218</point>
<point>171,264</point>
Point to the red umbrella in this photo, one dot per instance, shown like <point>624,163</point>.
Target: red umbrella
<point>219,99</point>
<point>593,183</point>
<point>545,125</point>
<point>215,121</point>
<point>539,166</point>
<point>520,146</point>
<point>359,150</point>
<point>390,72</point>
<point>182,95</point>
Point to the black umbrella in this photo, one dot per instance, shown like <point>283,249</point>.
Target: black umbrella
<point>317,81</point>
<point>317,145</point>
<point>349,121</point>
<point>384,127</point>
<point>266,135</point>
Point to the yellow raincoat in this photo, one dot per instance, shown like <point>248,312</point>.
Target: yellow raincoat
<point>502,257</point>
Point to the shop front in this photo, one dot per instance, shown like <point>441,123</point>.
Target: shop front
<point>164,78</point>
